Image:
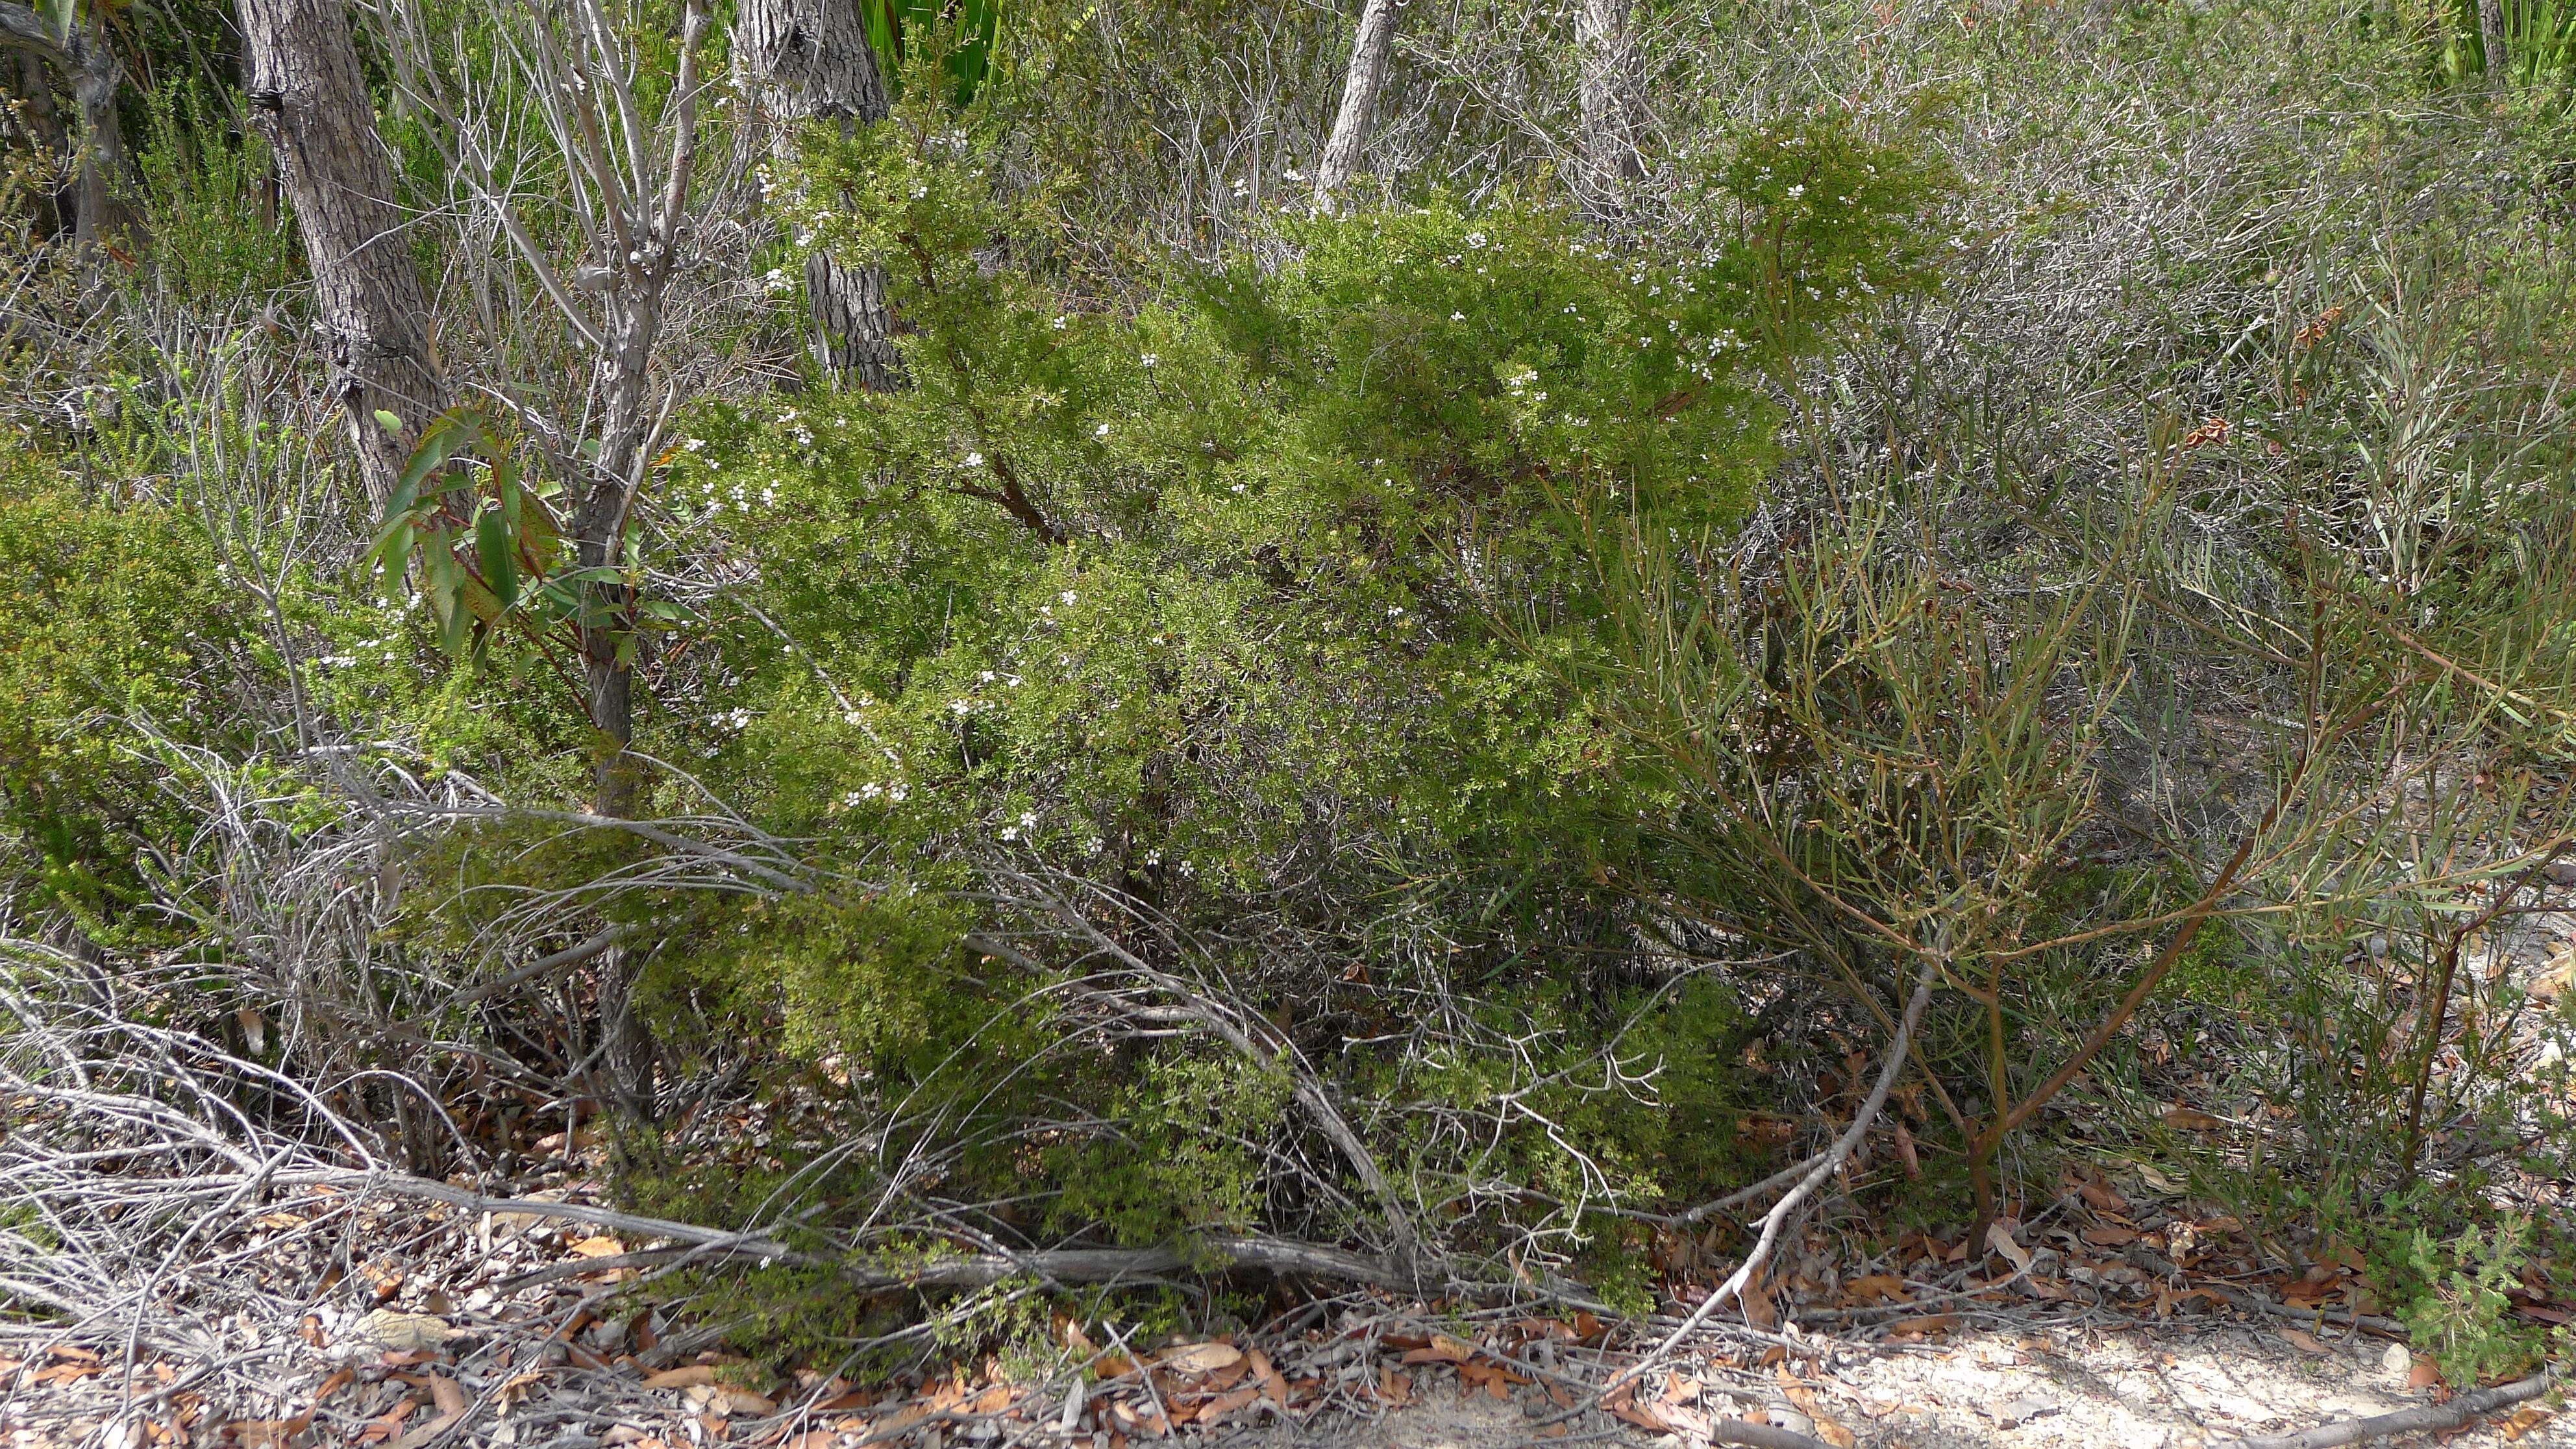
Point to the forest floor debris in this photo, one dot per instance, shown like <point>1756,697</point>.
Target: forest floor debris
<point>2175,1386</point>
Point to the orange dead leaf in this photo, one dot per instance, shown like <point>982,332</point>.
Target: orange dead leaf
<point>1229,1402</point>
<point>1271,1383</point>
<point>267,1433</point>
<point>685,1377</point>
<point>1878,1288</point>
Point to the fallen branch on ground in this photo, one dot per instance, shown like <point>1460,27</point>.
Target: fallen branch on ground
<point>2341,1316</point>
<point>1824,1165</point>
<point>970,1270</point>
<point>2426,1418</point>
<point>1761,1436</point>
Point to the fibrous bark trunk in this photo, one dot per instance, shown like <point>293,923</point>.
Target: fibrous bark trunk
<point>309,101</point>
<point>1359,99</point>
<point>34,89</point>
<point>105,169</point>
<point>807,60</point>
<point>2491,36</point>
<point>1606,84</point>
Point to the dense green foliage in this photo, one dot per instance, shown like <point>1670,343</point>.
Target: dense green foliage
<point>1459,717</point>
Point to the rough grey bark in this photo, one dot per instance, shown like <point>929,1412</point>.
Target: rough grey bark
<point>309,101</point>
<point>105,169</point>
<point>32,84</point>
<point>1359,99</point>
<point>806,60</point>
<point>2491,37</point>
<point>1606,81</point>
<point>90,69</point>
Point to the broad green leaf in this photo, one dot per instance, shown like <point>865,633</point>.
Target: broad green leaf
<point>500,562</point>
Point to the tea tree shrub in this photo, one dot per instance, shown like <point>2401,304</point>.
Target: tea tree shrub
<point>1264,594</point>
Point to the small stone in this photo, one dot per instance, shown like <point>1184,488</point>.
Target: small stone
<point>2561,871</point>
<point>2396,1360</point>
<point>2379,945</point>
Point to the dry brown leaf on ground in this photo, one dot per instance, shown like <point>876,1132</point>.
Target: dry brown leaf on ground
<point>1877,1288</point>
<point>1442,1349</point>
<point>388,1424</point>
<point>1271,1382</point>
<point>2424,1375</point>
<point>2101,1196</point>
<point>2304,1341</point>
<point>602,1246</point>
<point>992,1401</point>
<point>447,1394</point>
<point>685,1376</point>
<point>2523,1422</point>
<point>1923,1325</point>
<point>420,1437</point>
<point>267,1433</point>
<point>2000,1235</point>
<point>1229,1402</point>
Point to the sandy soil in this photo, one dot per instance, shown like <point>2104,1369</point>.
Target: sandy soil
<point>2150,1389</point>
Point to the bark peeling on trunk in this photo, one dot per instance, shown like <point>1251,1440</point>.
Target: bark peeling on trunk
<point>808,60</point>
<point>308,99</point>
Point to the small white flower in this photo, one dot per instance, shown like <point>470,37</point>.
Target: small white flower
<point>694,444</point>
<point>1475,239</point>
<point>1059,324</point>
<point>1797,191</point>
<point>1457,316</point>
<point>960,707</point>
<point>1100,432</point>
<point>974,460</point>
<point>1067,598</point>
<point>1150,359</point>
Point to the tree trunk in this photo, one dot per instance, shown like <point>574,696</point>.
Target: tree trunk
<point>608,639</point>
<point>1606,84</point>
<point>805,60</point>
<point>104,170</point>
<point>309,101</point>
<point>2491,36</point>
<point>96,198</point>
<point>34,88</point>
<point>1359,99</point>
